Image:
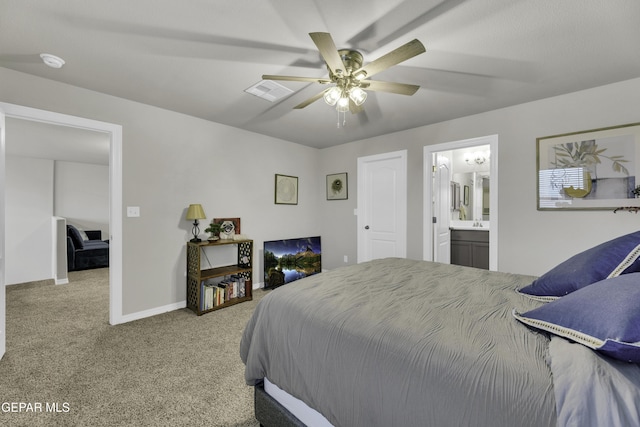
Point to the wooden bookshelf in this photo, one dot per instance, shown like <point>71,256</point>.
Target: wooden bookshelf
<point>236,289</point>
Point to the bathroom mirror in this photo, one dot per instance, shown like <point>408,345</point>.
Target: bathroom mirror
<point>470,170</point>
<point>473,201</point>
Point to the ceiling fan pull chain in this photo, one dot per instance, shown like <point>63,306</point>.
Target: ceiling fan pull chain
<point>344,119</point>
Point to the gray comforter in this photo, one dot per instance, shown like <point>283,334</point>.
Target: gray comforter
<point>593,390</point>
<point>397,342</point>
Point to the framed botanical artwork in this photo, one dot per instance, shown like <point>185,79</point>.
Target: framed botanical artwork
<point>286,191</point>
<point>594,169</point>
<point>337,188</point>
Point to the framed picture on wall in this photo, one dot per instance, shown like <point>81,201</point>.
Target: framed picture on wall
<point>593,169</point>
<point>337,188</point>
<point>286,190</point>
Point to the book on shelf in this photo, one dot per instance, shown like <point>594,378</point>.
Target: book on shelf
<point>240,285</point>
<point>214,294</point>
<point>222,290</point>
<point>207,296</point>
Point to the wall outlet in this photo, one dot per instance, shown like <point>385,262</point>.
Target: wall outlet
<point>346,258</point>
<point>133,211</point>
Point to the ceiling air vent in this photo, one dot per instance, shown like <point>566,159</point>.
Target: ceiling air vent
<point>271,91</point>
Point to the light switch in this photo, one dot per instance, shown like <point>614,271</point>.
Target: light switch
<point>133,211</point>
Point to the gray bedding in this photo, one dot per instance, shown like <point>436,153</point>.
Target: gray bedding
<point>397,342</point>
<point>593,390</point>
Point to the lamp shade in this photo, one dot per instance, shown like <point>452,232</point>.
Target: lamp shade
<point>358,96</point>
<point>332,95</point>
<point>195,212</point>
<point>343,104</point>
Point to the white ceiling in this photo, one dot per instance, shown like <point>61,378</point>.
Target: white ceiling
<point>198,56</point>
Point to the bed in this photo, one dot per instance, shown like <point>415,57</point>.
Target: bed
<point>398,342</point>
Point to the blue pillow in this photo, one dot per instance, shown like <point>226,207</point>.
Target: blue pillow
<point>604,317</point>
<point>609,259</point>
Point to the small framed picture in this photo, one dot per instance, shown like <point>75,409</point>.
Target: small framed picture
<point>337,188</point>
<point>228,227</point>
<point>286,191</point>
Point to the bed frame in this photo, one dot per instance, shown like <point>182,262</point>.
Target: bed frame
<point>270,413</point>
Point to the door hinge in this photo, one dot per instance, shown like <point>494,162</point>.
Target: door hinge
<point>434,220</point>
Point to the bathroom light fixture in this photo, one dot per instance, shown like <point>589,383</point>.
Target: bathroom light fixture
<point>476,157</point>
<point>52,60</point>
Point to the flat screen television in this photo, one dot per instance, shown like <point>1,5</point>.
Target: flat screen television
<point>291,259</point>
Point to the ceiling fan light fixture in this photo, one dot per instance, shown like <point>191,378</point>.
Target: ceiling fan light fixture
<point>360,75</point>
<point>357,95</point>
<point>332,95</point>
<point>348,75</point>
<point>342,105</point>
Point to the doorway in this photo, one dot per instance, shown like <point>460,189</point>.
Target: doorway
<point>115,195</point>
<point>382,206</point>
<point>435,223</point>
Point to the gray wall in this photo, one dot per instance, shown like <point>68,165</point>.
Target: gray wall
<point>81,195</point>
<point>28,213</point>
<point>171,160</point>
<point>530,241</point>
<point>37,190</point>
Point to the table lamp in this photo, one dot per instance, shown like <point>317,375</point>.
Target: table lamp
<point>195,212</point>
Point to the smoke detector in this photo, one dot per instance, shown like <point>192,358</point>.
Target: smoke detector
<point>52,60</point>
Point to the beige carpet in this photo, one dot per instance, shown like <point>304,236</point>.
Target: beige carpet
<point>71,368</point>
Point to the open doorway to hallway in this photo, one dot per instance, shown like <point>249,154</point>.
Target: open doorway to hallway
<point>114,133</point>
<point>61,173</point>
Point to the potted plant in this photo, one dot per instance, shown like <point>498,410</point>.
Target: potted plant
<point>213,229</point>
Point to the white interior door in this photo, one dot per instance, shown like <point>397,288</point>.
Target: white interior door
<point>382,206</point>
<point>3,303</point>
<point>442,201</point>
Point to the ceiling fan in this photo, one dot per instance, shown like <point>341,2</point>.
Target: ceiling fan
<point>349,79</point>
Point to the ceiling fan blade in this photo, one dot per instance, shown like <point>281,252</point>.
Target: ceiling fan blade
<point>407,16</point>
<point>404,52</point>
<point>296,79</point>
<point>311,100</point>
<point>329,52</point>
<point>399,88</point>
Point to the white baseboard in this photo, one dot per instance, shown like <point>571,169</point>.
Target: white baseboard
<point>164,309</point>
<point>151,312</point>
